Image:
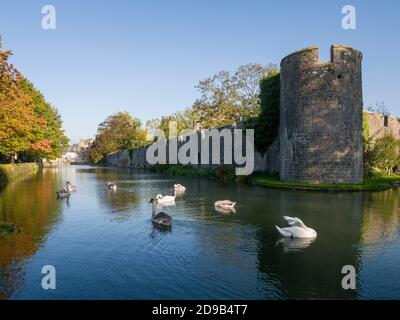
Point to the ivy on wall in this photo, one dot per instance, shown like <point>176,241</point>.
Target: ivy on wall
<point>266,125</point>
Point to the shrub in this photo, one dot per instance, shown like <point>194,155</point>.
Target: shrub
<point>384,155</point>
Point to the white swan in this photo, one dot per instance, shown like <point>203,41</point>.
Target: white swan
<point>166,200</point>
<point>225,204</point>
<point>179,188</point>
<point>112,186</point>
<point>297,229</point>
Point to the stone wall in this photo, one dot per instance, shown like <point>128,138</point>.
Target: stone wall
<point>380,126</point>
<point>267,162</point>
<point>321,117</point>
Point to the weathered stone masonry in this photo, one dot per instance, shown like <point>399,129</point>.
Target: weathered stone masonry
<point>321,117</point>
<point>380,126</point>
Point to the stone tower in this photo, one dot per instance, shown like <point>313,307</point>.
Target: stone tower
<point>321,117</point>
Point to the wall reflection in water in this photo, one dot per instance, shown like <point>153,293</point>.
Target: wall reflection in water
<point>106,246</point>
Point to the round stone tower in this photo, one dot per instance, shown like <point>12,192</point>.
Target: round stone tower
<point>321,117</point>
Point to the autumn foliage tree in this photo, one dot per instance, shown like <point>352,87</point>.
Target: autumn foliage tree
<point>29,127</point>
<point>49,138</point>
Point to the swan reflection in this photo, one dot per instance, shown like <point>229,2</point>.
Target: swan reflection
<point>225,210</point>
<point>294,245</point>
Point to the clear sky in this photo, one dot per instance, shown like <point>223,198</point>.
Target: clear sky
<point>146,57</point>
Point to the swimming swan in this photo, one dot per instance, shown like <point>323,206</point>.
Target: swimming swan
<point>71,187</point>
<point>225,204</point>
<point>166,200</point>
<point>112,186</point>
<point>179,188</point>
<point>63,193</point>
<point>161,218</point>
<point>297,229</point>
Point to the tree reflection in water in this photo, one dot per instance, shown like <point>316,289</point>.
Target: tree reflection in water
<point>30,204</point>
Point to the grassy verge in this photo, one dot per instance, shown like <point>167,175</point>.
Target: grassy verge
<point>220,172</point>
<point>226,173</point>
<point>374,183</point>
<point>9,172</point>
<point>180,170</point>
<point>7,228</point>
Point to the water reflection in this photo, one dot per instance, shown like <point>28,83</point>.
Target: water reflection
<point>381,216</point>
<point>158,231</point>
<point>107,248</point>
<point>225,210</point>
<point>30,204</point>
<point>294,245</point>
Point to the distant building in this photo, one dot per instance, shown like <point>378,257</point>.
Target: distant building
<point>78,152</point>
<point>70,157</point>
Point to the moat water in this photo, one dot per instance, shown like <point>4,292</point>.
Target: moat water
<point>103,245</point>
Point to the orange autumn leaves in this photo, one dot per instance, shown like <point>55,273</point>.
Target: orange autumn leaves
<point>28,124</point>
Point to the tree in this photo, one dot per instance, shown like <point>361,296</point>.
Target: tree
<point>50,139</point>
<point>227,98</point>
<point>384,155</point>
<point>183,120</point>
<point>119,131</point>
<point>17,117</point>
<point>29,126</point>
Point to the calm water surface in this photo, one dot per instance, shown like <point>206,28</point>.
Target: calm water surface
<point>104,246</point>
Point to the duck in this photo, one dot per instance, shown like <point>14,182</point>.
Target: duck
<point>225,204</point>
<point>166,200</point>
<point>179,188</point>
<point>297,229</point>
<point>63,193</point>
<point>161,218</point>
<point>112,186</point>
<point>71,187</point>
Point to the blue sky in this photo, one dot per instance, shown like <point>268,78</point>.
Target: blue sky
<point>146,57</point>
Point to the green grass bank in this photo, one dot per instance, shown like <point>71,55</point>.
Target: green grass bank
<point>373,183</point>
<point>226,173</point>
<point>9,172</point>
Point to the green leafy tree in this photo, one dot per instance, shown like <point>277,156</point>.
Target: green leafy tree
<point>384,155</point>
<point>119,131</point>
<point>226,98</point>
